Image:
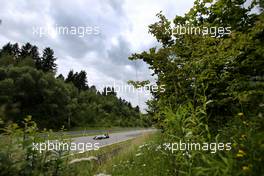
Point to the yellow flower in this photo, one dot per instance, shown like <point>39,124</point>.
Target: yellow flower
<point>240,153</point>
<point>245,123</point>
<point>240,114</point>
<point>245,168</point>
<point>243,136</point>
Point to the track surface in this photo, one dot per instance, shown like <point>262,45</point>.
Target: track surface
<point>114,138</point>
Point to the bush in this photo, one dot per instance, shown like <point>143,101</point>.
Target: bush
<point>17,156</point>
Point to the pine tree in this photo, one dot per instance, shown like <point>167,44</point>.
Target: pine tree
<point>25,51</point>
<point>48,61</point>
<point>34,53</point>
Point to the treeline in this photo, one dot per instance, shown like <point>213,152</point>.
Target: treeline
<point>28,86</point>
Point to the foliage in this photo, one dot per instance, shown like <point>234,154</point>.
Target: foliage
<point>28,86</point>
<point>229,68</point>
<point>214,89</point>
<point>187,125</point>
<point>18,157</point>
<point>28,55</point>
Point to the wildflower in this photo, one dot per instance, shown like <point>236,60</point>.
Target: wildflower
<point>143,146</point>
<point>243,135</point>
<point>245,168</point>
<point>245,123</point>
<point>240,153</point>
<point>102,174</point>
<point>240,114</point>
<point>138,154</point>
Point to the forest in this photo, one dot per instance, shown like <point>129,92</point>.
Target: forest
<point>29,87</point>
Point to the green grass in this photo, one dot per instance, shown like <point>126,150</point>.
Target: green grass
<point>144,155</point>
<point>141,159</point>
<point>106,156</point>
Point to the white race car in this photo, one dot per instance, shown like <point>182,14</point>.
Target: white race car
<point>99,137</point>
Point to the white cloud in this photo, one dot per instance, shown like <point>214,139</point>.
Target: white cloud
<point>123,28</point>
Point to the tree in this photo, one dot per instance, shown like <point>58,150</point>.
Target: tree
<point>54,101</point>
<point>60,76</point>
<point>137,109</point>
<point>25,50</point>
<point>28,55</point>
<point>79,80</point>
<point>48,61</point>
<point>220,68</point>
<point>9,54</point>
<point>70,77</point>
<point>34,53</point>
<point>10,49</point>
<point>27,91</point>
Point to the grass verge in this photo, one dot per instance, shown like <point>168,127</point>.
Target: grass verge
<point>106,157</point>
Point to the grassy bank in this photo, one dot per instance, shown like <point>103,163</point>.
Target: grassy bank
<point>100,161</point>
<point>145,155</point>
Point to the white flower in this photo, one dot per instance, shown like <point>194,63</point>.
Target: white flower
<point>143,146</point>
<point>102,174</point>
<point>138,154</point>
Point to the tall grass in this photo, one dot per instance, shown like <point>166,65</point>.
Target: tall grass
<point>189,124</point>
<point>18,157</point>
<point>146,155</point>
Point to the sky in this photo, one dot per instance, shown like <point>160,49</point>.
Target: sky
<point>115,29</point>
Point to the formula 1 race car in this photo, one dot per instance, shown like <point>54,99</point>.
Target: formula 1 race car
<point>99,137</point>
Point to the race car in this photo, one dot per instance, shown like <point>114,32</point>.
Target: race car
<point>99,137</point>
